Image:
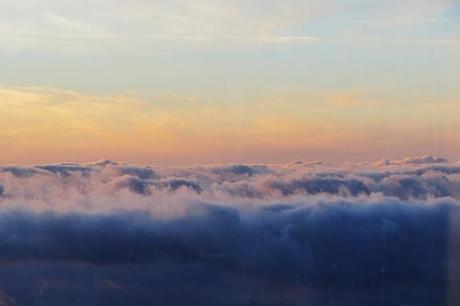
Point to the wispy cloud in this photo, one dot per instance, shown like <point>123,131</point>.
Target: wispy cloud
<point>402,40</point>
<point>96,28</point>
<point>389,21</point>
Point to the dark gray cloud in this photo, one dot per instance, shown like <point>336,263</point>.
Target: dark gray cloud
<point>240,170</point>
<point>20,171</point>
<point>140,172</point>
<point>66,169</point>
<point>320,184</point>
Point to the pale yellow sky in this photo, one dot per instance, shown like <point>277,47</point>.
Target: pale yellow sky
<point>41,125</point>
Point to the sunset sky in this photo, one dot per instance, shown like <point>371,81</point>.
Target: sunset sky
<point>229,152</point>
<point>210,81</point>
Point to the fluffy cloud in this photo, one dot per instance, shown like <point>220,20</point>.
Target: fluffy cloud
<point>109,229</point>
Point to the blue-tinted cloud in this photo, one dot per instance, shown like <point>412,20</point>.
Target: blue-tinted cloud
<point>109,233</point>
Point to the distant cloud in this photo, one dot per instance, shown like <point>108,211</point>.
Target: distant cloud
<point>413,160</point>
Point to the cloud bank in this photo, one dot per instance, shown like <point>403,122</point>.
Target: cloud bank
<point>109,233</point>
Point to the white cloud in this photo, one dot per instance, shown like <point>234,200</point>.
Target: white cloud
<point>92,186</point>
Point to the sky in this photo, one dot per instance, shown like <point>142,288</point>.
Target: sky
<point>168,152</point>
<point>191,82</point>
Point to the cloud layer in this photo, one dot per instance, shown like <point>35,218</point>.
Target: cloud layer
<point>109,233</point>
